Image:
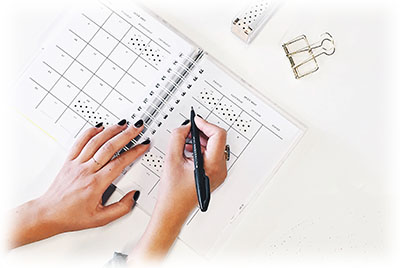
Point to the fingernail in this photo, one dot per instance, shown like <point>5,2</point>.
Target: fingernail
<point>139,123</point>
<point>200,116</point>
<point>99,125</point>
<point>186,122</point>
<point>136,196</point>
<point>147,141</point>
<point>122,122</point>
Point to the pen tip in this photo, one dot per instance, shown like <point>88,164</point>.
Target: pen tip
<point>192,108</point>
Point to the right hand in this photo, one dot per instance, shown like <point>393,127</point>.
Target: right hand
<point>177,192</point>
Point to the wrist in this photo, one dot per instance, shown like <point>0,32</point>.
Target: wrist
<point>175,207</point>
<point>47,217</point>
<point>30,223</point>
<point>166,222</point>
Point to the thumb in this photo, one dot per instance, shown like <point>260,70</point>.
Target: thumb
<point>177,141</point>
<point>118,209</point>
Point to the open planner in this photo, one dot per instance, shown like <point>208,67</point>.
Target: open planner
<point>114,62</point>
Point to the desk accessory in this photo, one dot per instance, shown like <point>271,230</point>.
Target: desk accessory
<point>303,56</point>
<point>250,21</point>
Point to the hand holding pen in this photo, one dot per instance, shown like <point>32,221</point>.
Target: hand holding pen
<point>177,185</point>
<point>177,190</point>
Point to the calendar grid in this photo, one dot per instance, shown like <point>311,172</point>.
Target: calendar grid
<point>94,74</point>
<point>135,27</point>
<point>81,90</point>
<point>112,87</point>
<point>69,81</point>
<point>116,64</point>
<point>70,65</point>
<point>37,83</point>
<point>125,70</point>
<point>132,26</point>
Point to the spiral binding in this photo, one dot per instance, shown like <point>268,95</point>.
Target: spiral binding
<point>154,105</point>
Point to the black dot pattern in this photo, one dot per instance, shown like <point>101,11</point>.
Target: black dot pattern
<point>242,125</point>
<point>252,14</point>
<point>246,125</point>
<point>87,108</point>
<point>137,41</point>
<point>153,54</point>
<point>227,110</point>
<point>154,161</point>
<point>209,98</point>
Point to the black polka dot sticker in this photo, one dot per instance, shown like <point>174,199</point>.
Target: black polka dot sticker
<point>136,41</point>
<point>246,125</point>
<point>89,110</point>
<point>227,110</point>
<point>154,161</point>
<point>209,98</point>
<point>154,54</point>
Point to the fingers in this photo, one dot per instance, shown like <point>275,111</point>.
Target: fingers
<point>207,128</point>
<point>117,210</point>
<point>177,142</point>
<point>203,138</point>
<point>189,148</point>
<point>95,143</point>
<point>114,145</point>
<point>82,140</point>
<point>115,167</point>
<point>216,139</point>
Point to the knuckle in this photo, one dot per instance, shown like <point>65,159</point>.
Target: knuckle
<point>94,181</point>
<point>129,133</point>
<point>83,171</point>
<point>125,208</point>
<point>176,131</point>
<point>91,184</point>
<point>89,132</point>
<point>118,162</point>
<point>109,147</point>
<point>221,131</point>
<point>91,143</point>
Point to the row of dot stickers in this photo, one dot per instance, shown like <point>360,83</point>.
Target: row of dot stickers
<point>230,113</point>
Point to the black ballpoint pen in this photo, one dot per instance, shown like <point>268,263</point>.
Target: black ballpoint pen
<point>201,179</point>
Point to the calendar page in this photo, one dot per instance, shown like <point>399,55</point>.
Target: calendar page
<point>110,63</point>
<point>100,65</point>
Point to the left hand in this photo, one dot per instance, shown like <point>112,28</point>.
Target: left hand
<point>73,201</point>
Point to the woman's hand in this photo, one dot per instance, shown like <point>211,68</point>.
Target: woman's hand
<point>177,186</point>
<point>177,193</point>
<point>73,201</point>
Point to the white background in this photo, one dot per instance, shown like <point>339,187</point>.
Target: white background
<point>334,200</point>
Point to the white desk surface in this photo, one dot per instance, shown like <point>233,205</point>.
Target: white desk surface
<point>334,198</point>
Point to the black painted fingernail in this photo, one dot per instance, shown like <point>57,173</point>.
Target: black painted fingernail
<point>146,142</point>
<point>122,122</point>
<point>186,122</point>
<point>139,123</point>
<point>99,125</point>
<point>136,196</point>
<point>200,116</point>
